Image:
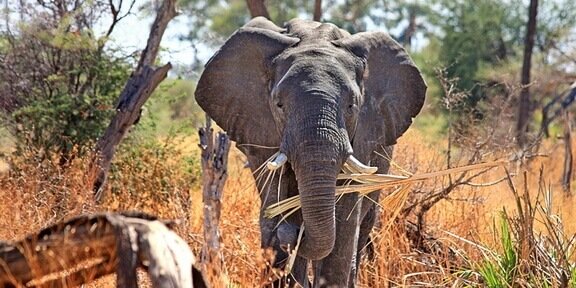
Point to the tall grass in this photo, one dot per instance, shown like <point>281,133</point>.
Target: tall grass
<point>474,238</point>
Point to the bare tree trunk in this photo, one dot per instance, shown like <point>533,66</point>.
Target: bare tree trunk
<point>411,29</point>
<point>257,8</point>
<point>524,109</point>
<point>138,89</point>
<point>317,10</point>
<point>567,174</point>
<point>214,175</point>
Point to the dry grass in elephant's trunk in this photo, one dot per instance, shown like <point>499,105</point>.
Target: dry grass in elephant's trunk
<point>371,182</point>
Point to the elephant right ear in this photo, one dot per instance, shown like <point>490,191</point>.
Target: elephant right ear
<point>233,88</point>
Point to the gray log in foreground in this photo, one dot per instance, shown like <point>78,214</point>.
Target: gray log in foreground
<point>85,248</point>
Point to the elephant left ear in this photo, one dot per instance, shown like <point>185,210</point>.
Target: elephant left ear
<point>394,89</point>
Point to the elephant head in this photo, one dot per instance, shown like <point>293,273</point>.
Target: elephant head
<point>319,94</point>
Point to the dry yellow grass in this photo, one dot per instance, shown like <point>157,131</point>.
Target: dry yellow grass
<point>43,196</point>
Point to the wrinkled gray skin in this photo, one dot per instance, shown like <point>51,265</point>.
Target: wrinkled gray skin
<point>318,94</point>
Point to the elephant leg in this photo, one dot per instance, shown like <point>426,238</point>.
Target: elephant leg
<point>298,277</point>
<point>280,236</point>
<point>299,273</point>
<point>334,270</point>
<point>271,192</point>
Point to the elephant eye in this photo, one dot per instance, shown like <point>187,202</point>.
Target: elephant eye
<point>279,105</point>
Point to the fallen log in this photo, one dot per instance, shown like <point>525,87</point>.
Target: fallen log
<point>86,248</point>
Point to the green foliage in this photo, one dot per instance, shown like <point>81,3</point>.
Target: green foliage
<point>480,36</point>
<point>228,17</point>
<point>353,15</point>
<point>58,86</point>
<point>555,24</point>
<point>497,270</point>
<point>477,33</point>
<point>213,21</point>
<point>171,109</point>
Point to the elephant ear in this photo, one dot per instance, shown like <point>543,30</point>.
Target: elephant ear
<point>233,88</point>
<point>394,90</point>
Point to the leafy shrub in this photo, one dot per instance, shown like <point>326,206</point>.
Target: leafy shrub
<point>57,86</point>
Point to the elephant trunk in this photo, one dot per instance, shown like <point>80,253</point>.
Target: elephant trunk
<point>317,186</point>
<point>319,149</point>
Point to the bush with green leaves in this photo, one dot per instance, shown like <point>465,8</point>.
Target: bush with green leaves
<point>58,85</point>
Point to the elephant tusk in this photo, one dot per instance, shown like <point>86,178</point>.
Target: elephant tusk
<point>280,160</point>
<point>356,166</point>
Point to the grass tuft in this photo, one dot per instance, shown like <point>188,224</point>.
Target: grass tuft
<point>371,182</point>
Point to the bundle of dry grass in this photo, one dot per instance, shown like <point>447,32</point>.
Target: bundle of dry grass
<point>366,183</point>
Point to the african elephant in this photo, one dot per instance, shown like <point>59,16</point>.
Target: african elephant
<point>322,98</point>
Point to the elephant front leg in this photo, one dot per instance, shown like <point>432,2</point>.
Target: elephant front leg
<point>280,236</point>
<point>334,270</point>
<point>272,191</point>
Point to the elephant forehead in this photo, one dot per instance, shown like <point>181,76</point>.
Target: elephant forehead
<point>321,56</point>
<point>314,31</point>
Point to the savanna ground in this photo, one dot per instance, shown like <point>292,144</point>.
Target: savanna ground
<point>163,178</point>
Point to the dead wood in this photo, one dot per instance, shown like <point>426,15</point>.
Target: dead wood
<point>86,248</point>
<point>214,175</point>
<point>138,89</point>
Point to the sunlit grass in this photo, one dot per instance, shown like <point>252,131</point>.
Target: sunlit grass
<point>42,195</point>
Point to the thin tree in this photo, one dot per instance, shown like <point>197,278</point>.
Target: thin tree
<point>411,29</point>
<point>257,8</point>
<point>317,10</point>
<point>524,108</point>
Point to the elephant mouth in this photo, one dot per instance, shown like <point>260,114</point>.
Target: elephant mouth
<point>351,165</point>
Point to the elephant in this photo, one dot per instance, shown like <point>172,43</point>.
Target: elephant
<point>319,98</point>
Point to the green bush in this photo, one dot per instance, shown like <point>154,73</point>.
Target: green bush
<point>58,87</point>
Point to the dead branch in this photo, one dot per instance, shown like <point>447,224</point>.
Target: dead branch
<point>565,99</point>
<point>214,175</point>
<point>116,17</point>
<point>88,247</point>
<point>138,89</point>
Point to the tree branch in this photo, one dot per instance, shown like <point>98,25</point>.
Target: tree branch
<point>136,92</point>
<point>166,13</point>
